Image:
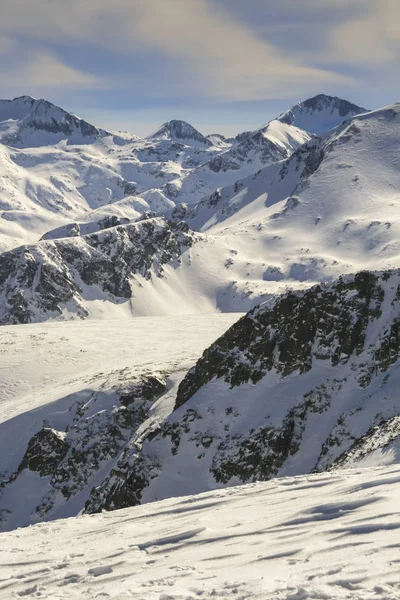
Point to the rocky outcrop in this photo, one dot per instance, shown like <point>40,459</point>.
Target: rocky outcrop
<point>324,323</point>
<point>46,449</point>
<point>382,439</point>
<point>71,460</point>
<point>297,385</point>
<point>42,281</point>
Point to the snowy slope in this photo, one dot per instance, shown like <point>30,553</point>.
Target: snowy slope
<point>331,208</point>
<point>320,113</point>
<point>330,536</point>
<point>93,384</point>
<point>151,267</point>
<point>307,382</point>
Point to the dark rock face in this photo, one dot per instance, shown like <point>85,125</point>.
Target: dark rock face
<point>326,322</point>
<point>97,438</point>
<point>222,163</point>
<point>67,126</point>
<point>254,458</point>
<point>101,428</point>
<point>380,437</point>
<point>125,484</point>
<point>43,116</point>
<point>148,389</point>
<point>36,282</point>
<point>45,451</point>
<point>344,107</point>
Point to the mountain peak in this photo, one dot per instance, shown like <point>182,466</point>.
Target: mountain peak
<point>320,113</point>
<point>33,122</point>
<point>180,131</point>
<point>323,101</point>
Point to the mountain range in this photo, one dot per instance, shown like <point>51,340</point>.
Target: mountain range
<point>303,219</point>
<point>295,224</point>
<point>56,167</point>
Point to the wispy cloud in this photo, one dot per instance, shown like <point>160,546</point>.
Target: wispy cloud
<point>41,71</point>
<point>216,54</point>
<point>371,37</point>
<point>225,54</point>
<point>6,44</point>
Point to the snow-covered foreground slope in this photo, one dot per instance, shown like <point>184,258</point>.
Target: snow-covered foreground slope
<point>97,379</point>
<point>333,536</point>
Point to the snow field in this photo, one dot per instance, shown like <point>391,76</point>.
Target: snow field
<point>331,536</point>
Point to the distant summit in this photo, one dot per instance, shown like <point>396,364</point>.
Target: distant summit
<point>30,122</point>
<point>180,131</point>
<point>320,113</point>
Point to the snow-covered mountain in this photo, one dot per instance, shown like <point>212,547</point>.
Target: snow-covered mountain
<point>312,217</point>
<point>180,131</point>
<point>105,411</point>
<point>56,167</point>
<point>254,149</point>
<point>320,113</point>
<point>26,122</point>
<point>331,208</point>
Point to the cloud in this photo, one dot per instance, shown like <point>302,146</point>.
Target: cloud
<point>327,4</point>
<point>216,54</point>
<point>43,70</point>
<point>6,44</point>
<point>227,55</point>
<point>372,37</point>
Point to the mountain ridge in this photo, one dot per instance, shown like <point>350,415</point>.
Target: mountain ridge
<point>56,167</point>
<point>331,112</point>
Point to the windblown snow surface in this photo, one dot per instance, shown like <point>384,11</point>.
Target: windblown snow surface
<point>332,536</point>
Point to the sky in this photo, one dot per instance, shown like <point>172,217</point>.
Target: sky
<point>223,65</point>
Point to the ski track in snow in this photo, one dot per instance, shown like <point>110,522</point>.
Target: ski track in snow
<point>330,536</point>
